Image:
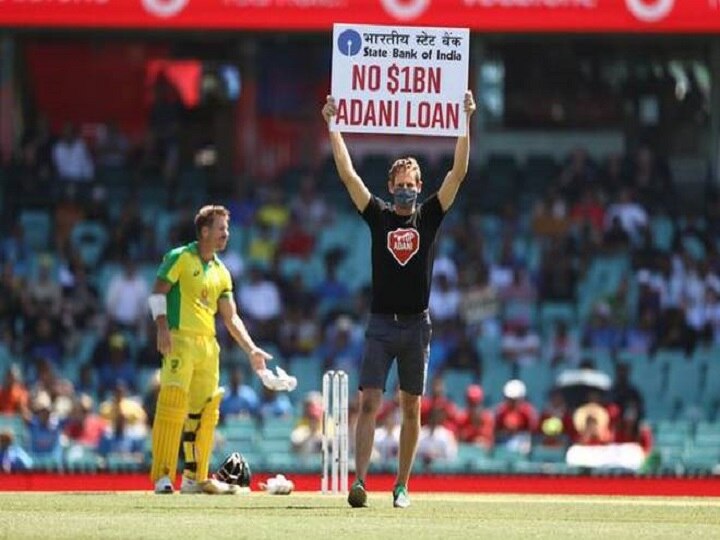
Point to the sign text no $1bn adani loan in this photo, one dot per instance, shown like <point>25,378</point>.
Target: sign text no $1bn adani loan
<point>394,79</point>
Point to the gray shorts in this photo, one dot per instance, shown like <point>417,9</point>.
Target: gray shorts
<point>405,337</point>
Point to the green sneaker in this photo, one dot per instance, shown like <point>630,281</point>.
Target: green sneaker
<point>357,497</point>
<point>401,499</point>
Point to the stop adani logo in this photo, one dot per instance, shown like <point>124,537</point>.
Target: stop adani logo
<point>164,8</point>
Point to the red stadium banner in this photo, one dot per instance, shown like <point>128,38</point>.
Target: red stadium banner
<point>653,16</point>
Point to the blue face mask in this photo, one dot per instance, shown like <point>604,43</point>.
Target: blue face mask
<point>405,197</point>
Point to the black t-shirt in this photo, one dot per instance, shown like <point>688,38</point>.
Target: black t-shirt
<point>402,255</point>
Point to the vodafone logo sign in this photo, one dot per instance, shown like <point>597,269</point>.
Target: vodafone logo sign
<point>164,8</point>
<point>405,10</point>
<point>650,10</point>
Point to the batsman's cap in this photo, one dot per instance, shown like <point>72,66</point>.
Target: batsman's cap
<point>514,389</point>
<point>475,394</point>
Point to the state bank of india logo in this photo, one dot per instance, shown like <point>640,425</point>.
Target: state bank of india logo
<point>650,10</point>
<point>403,244</point>
<point>164,8</point>
<point>405,9</point>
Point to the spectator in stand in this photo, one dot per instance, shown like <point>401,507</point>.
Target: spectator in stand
<point>123,440</point>
<point>306,438</point>
<point>69,211</point>
<point>437,442</point>
<point>274,404</point>
<point>41,377</point>
<point>45,430</point>
<point>130,408</point>
<point>648,301</point>
<point>387,439</point>
<point>645,256</point>
<point>343,347</point>
<point>296,241</point>
<point>87,381</point>
<point>616,239</point>
<point>71,158</point>
<point>130,235</point>
<point>11,304</point>
<point>476,424</point>
<point>630,429</point>
<point>712,312</point>
<point>594,421</point>
<point>563,347</point>
<point>81,303</point>
<point>309,207</point>
<point>501,271</point>
<point>274,211</point>
<point>12,456</point>
<point>117,367</point>
<point>466,357</point>
<point>240,399</point>
<point>578,174</point>
<point>521,289</point>
<point>259,299</point>
<point>43,296</point>
<point>44,341</point>
<point>651,180</point>
<point>112,146</point>
<point>126,299</point>
<point>601,333</point>
<point>614,174</point>
<point>550,219</point>
<point>624,394</point>
<point>589,211</point>
<point>520,345</point>
<point>437,399</point>
<point>149,402</point>
<point>555,427</point>
<point>628,214</point>
<point>263,247</point>
<point>515,419</point>
<point>558,273</point>
<point>479,304</point>
<point>16,252</point>
<point>332,293</point>
<point>84,427</point>
<point>37,147</point>
<point>13,393</point>
<point>641,337</point>
<point>444,301</point>
<point>299,332</point>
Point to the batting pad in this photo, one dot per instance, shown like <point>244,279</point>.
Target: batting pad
<point>205,435</point>
<point>169,417</point>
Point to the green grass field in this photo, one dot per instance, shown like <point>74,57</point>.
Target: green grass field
<point>304,515</point>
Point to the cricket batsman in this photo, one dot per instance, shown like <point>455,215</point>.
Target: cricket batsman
<point>193,285</point>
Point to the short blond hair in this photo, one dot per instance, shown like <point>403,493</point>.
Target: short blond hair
<point>207,214</point>
<point>409,164</point>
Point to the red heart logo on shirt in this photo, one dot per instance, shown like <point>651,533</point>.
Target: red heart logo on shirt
<point>403,244</point>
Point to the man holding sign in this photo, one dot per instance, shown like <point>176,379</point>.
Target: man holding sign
<point>403,236</point>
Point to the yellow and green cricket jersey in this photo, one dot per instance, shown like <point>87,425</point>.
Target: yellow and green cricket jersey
<point>196,288</point>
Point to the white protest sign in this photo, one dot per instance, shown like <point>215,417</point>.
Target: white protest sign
<point>397,79</point>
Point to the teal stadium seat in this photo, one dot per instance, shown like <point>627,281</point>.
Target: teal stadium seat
<point>547,454</point>
<point>89,239</point>
<point>456,383</point>
<point>36,226</point>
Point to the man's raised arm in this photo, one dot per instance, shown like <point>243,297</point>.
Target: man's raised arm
<point>450,186</point>
<point>358,191</point>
